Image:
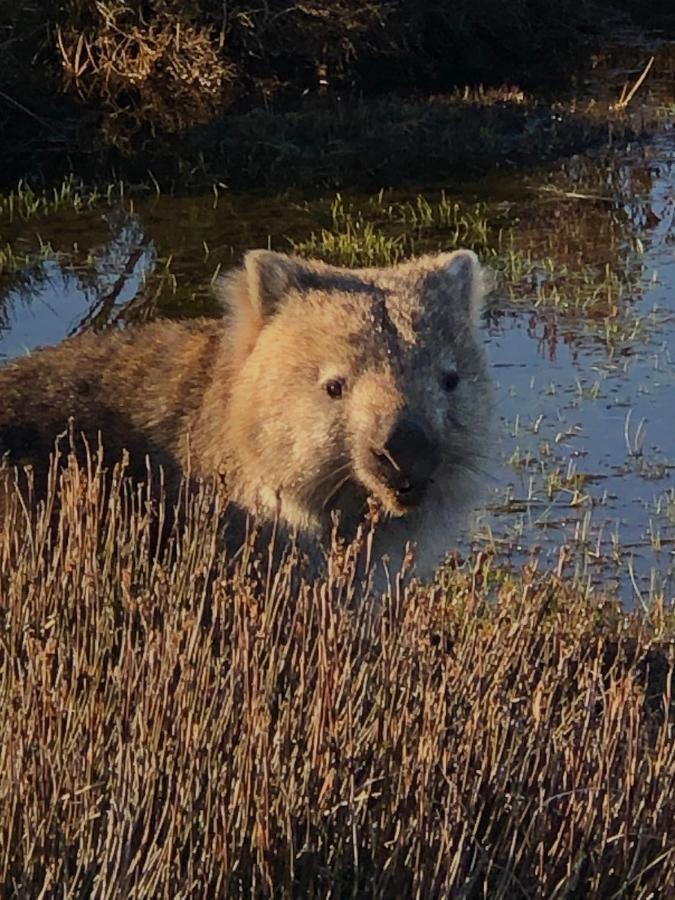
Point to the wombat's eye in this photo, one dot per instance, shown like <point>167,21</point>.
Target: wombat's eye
<point>334,388</point>
<point>450,380</point>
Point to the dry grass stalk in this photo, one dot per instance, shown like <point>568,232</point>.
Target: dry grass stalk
<point>627,93</point>
<point>166,74</point>
<point>176,726</point>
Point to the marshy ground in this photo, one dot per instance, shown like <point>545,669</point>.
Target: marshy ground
<point>506,732</point>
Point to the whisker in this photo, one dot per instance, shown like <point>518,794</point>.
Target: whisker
<point>334,490</point>
<point>475,454</point>
<point>382,451</point>
<point>475,470</point>
<point>320,480</point>
<point>461,451</point>
<point>496,402</point>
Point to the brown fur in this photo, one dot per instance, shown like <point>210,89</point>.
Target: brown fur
<point>248,400</point>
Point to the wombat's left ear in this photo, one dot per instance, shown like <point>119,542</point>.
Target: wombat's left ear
<point>465,281</point>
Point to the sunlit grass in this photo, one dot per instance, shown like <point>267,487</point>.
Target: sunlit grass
<point>382,229</point>
<point>352,240</point>
<point>379,231</point>
<point>179,724</point>
<point>26,202</point>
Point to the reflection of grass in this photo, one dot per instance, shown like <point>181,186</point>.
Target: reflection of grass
<point>231,735</point>
<point>566,485</point>
<point>22,272</point>
<point>15,262</point>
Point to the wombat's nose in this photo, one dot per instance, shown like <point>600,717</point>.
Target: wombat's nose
<point>407,459</point>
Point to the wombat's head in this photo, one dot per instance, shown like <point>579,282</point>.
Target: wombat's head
<point>355,383</point>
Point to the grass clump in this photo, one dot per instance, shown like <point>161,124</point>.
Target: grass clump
<point>381,231</point>
<point>163,73</point>
<point>71,194</point>
<point>178,724</point>
<point>353,240</point>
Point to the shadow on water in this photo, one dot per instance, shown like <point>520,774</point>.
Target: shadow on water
<point>580,330</point>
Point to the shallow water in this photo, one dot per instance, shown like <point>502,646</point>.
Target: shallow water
<point>580,332</point>
<point>600,418</point>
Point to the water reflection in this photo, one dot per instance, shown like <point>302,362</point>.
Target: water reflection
<point>49,301</point>
<point>588,422</point>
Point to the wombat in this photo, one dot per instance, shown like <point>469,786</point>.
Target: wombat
<point>324,390</point>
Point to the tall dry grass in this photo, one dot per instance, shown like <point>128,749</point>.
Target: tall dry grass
<point>174,725</point>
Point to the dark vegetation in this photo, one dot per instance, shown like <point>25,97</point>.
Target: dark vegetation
<point>236,90</point>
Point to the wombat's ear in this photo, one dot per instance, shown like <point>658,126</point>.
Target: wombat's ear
<point>463,277</point>
<point>252,294</point>
<point>269,277</point>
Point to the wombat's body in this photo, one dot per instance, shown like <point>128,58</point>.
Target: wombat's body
<point>323,388</point>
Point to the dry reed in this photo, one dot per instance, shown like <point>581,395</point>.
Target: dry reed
<point>174,725</point>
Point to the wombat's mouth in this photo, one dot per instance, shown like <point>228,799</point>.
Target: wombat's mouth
<point>410,494</point>
<point>400,500</point>
<point>398,469</point>
<point>398,485</point>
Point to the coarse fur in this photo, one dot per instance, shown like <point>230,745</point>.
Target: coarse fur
<point>324,390</point>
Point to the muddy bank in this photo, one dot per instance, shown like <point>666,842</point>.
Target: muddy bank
<point>311,95</point>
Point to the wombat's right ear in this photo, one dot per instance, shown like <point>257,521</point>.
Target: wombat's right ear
<point>269,277</point>
<point>257,288</point>
<point>253,293</point>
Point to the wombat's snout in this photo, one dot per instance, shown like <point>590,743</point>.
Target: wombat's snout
<point>406,460</point>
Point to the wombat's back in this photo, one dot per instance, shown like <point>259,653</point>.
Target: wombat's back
<point>136,390</point>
